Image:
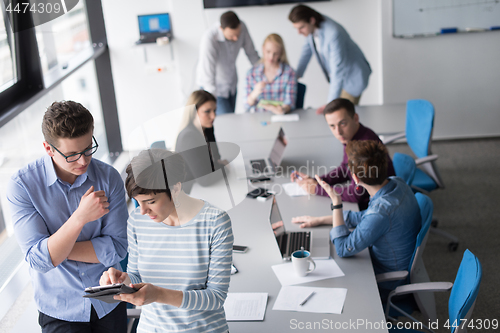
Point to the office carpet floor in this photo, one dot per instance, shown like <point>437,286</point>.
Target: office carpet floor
<point>470,170</point>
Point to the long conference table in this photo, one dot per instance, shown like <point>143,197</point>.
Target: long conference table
<point>311,144</point>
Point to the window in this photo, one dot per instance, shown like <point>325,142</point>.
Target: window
<point>8,72</point>
<point>62,39</point>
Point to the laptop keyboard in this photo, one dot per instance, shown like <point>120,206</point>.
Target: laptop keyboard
<point>258,166</point>
<point>299,239</point>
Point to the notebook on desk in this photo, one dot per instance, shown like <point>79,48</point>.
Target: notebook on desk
<point>269,165</point>
<point>288,242</point>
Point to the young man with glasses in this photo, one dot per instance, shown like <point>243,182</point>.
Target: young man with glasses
<point>69,216</point>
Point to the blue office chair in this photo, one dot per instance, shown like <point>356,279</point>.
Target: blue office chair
<point>404,166</point>
<point>419,126</point>
<point>301,92</point>
<point>462,298</point>
<point>423,302</point>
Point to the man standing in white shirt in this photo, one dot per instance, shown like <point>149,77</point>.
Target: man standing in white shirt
<point>219,49</point>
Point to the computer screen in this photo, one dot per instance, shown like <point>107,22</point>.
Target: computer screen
<point>276,220</point>
<point>154,23</point>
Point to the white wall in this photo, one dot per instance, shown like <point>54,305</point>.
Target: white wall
<point>141,91</point>
<point>458,73</point>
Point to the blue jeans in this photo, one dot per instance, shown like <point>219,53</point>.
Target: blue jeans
<point>226,105</point>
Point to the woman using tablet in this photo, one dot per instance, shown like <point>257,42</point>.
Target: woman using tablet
<point>271,83</point>
<point>180,250</point>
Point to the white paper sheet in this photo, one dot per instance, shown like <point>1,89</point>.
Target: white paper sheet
<point>284,117</point>
<point>325,300</point>
<point>325,269</point>
<point>245,306</point>
<point>294,190</point>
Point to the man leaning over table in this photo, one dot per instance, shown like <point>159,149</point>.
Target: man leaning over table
<point>219,49</point>
<point>343,121</point>
<point>70,220</point>
<point>340,58</point>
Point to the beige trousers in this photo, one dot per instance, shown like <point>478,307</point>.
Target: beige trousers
<point>346,95</point>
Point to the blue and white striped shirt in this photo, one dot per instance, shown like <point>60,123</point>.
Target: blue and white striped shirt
<point>195,257</point>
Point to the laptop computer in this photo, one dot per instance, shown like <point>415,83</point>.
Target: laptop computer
<point>288,242</point>
<point>268,166</point>
<point>154,26</point>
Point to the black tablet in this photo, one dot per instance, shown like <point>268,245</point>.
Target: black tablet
<point>106,293</point>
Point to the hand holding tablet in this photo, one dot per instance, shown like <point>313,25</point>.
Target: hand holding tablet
<point>106,293</point>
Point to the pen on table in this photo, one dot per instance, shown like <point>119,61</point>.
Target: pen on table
<point>307,298</point>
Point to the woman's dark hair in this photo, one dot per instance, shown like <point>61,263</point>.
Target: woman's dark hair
<point>304,13</point>
<point>154,171</point>
<point>229,20</point>
<point>368,161</point>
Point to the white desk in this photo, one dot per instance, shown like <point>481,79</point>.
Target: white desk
<point>251,227</point>
<point>382,119</point>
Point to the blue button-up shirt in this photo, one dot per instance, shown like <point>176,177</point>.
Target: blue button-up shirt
<point>389,227</point>
<point>40,203</point>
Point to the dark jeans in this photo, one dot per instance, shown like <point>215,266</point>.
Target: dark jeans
<point>113,322</point>
<point>226,105</point>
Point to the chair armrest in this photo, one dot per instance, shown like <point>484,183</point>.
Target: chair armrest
<point>418,189</point>
<point>133,313</point>
<point>391,276</point>
<point>418,287</point>
<point>391,138</point>
<point>426,159</point>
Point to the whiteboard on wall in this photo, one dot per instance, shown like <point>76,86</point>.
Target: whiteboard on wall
<point>419,18</point>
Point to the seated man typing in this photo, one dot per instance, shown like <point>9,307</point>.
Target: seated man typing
<point>390,224</point>
<point>345,126</point>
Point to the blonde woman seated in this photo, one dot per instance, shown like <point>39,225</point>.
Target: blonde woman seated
<point>180,250</point>
<point>196,139</point>
<point>272,84</point>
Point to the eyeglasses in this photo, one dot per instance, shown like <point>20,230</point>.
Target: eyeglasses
<point>75,157</point>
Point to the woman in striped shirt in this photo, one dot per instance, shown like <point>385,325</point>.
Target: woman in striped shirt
<point>271,83</point>
<point>180,250</point>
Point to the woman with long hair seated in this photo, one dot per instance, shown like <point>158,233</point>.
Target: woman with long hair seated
<point>180,250</point>
<point>196,138</point>
<point>390,224</point>
<point>271,83</point>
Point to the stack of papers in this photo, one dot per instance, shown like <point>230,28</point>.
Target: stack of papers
<point>284,117</point>
<point>324,300</point>
<point>245,306</point>
<point>294,190</point>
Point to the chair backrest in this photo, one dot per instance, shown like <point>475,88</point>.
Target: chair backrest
<point>404,166</point>
<point>426,210</point>
<point>419,125</point>
<point>465,289</point>
<point>418,273</point>
<point>301,92</point>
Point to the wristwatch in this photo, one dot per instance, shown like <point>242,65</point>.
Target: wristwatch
<point>336,206</point>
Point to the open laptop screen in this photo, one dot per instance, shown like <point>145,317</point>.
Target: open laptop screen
<point>278,148</point>
<point>276,220</point>
<point>154,24</point>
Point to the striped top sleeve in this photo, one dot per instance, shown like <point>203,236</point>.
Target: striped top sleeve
<point>195,258</point>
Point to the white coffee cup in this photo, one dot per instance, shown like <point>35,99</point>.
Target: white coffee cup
<point>301,261</point>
